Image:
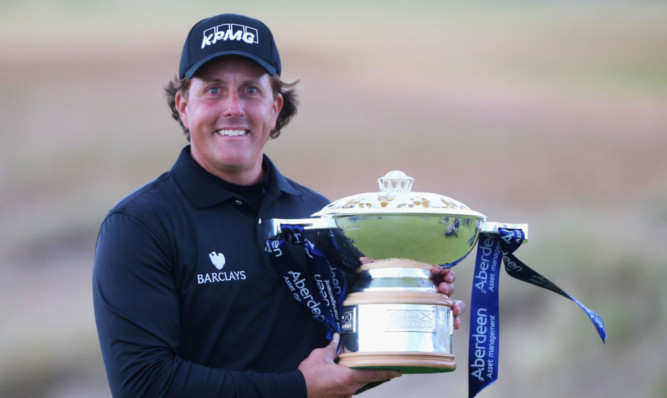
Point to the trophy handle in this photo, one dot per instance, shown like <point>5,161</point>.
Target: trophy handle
<point>308,223</point>
<point>493,227</point>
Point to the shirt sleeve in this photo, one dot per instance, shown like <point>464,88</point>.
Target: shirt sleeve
<point>137,317</point>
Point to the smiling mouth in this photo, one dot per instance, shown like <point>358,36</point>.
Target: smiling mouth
<point>232,133</point>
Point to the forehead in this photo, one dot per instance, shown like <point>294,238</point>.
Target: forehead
<point>231,65</point>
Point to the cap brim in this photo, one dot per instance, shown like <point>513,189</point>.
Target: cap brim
<point>194,68</point>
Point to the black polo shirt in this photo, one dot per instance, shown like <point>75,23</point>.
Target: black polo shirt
<point>186,302</point>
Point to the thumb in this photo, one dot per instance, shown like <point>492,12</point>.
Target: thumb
<point>331,351</point>
<point>335,339</point>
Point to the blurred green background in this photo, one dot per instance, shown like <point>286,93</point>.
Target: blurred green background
<point>549,113</point>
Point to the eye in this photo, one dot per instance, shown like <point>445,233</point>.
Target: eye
<point>251,90</point>
<point>214,90</point>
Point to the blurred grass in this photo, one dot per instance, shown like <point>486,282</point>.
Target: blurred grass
<point>547,113</point>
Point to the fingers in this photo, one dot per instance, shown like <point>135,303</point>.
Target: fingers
<point>446,288</point>
<point>363,376</point>
<point>458,308</point>
<point>325,378</point>
<point>441,274</point>
<point>444,282</point>
<point>443,279</point>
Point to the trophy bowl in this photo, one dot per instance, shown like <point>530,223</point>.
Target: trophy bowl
<point>399,223</point>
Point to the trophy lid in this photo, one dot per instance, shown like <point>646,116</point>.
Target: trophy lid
<point>396,197</point>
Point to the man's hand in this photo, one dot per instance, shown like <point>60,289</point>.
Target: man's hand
<point>443,279</point>
<point>324,378</point>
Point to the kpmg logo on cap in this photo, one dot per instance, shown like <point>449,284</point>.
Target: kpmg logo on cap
<point>230,31</point>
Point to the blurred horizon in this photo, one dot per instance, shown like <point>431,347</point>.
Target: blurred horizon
<point>547,113</point>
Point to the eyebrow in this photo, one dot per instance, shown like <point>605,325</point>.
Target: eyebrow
<point>217,80</point>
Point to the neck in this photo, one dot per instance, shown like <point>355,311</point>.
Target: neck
<point>240,177</point>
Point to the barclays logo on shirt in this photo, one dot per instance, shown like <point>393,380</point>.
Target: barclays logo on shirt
<point>218,261</point>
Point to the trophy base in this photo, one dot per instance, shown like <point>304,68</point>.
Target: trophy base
<point>395,319</point>
<point>406,362</point>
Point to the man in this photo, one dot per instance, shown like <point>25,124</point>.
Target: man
<point>186,301</point>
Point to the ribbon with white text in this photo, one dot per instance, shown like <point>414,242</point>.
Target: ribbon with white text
<point>320,288</point>
<point>484,322</point>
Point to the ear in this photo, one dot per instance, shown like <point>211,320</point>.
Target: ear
<point>181,105</point>
<point>277,107</point>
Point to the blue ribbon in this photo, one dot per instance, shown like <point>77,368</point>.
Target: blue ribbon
<point>484,322</point>
<point>320,288</point>
<point>484,327</point>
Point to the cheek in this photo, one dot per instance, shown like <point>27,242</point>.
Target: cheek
<point>262,115</point>
<point>201,116</point>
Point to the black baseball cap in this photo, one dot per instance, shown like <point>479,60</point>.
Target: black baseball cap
<point>229,34</point>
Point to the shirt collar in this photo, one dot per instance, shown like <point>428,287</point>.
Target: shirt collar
<point>204,189</point>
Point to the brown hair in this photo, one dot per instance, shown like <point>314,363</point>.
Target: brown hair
<point>288,91</point>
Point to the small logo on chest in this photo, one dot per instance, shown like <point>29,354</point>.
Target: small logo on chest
<point>218,260</point>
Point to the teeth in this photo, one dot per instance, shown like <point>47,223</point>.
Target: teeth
<point>232,133</point>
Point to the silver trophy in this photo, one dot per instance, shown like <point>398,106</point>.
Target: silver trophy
<point>393,317</point>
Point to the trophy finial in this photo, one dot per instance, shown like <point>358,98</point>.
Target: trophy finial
<point>394,182</point>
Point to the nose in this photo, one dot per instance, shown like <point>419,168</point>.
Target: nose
<point>233,106</point>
